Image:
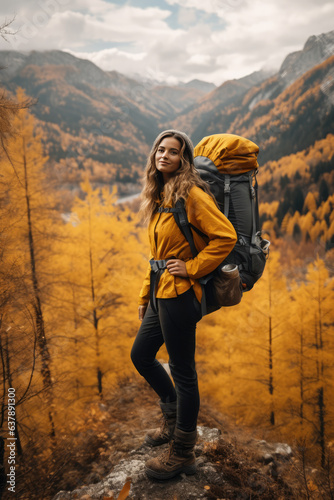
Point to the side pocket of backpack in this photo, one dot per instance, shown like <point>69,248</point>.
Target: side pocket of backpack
<point>258,261</point>
<point>252,266</point>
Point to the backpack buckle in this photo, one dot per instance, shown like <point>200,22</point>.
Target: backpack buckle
<point>242,241</point>
<point>158,265</point>
<point>154,266</point>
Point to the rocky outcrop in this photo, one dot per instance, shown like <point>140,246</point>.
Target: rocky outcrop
<point>132,469</point>
<point>269,452</point>
<point>316,50</point>
<point>221,470</point>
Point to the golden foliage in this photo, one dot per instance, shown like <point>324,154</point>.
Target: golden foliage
<point>89,271</point>
<point>301,162</point>
<point>313,221</point>
<point>267,362</point>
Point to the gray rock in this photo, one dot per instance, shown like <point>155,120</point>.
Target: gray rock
<point>269,452</point>
<point>316,49</point>
<point>63,495</point>
<point>208,435</point>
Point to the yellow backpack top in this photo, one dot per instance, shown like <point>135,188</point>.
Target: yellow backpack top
<point>230,153</point>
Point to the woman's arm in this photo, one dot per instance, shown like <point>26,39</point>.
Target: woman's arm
<point>177,267</point>
<point>141,312</point>
<point>205,215</point>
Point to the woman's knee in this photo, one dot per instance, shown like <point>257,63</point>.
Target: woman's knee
<point>140,359</point>
<point>136,357</point>
<point>184,376</point>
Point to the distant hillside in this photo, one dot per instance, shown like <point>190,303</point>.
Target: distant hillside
<point>102,121</point>
<point>203,116</point>
<point>283,114</point>
<point>105,122</point>
<point>297,195</point>
<point>316,49</point>
<point>199,85</point>
<point>294,119</point>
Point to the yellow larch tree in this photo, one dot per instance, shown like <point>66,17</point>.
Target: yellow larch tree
<point>241,348</point>
<point>31,229</point>
<point>266,327</point>
<point>297,364</point>
<point>320,288</point>
<point>101,264</point>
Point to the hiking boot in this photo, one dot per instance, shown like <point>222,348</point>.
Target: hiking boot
<point>179,458</point>
<point>163,435</point>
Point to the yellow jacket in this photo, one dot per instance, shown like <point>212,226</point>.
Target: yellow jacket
<point>167,241</point>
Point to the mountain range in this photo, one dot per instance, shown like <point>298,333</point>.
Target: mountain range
<point>106,121</point>
<point>283,113</point>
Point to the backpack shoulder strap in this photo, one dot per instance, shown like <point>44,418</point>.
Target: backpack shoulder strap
<point>255,211</point>
<point>181,219</point>
<point>227,192</point>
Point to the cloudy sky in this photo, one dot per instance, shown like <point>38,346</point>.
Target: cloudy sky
<point>170,40</point>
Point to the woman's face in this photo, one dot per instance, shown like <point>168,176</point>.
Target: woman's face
<point>168,157</point>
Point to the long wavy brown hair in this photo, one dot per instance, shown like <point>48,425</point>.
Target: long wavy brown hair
<point>155,192</point>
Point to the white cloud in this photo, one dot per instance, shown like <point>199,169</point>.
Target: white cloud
<point>219,39</point>
<point>118,60</point>
<point>209,6</point>
<point>275,30</point>
<point>199,59</point>
<point>186,17</point>
<point>106,23</point>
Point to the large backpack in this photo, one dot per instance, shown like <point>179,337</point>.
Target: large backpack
<point>228,163</point>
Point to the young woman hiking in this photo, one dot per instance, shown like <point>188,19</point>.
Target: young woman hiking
<point>169,304</point>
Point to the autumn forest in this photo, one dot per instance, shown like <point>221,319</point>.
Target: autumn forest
<point>72,265</point>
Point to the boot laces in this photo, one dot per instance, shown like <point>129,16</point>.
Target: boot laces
<point>165,456</point>
<point>169,452</point>
<point>164,427</point>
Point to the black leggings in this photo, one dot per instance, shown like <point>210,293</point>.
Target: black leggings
<point>174,325</point>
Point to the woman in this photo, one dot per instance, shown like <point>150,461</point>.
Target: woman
<point>169,306</point>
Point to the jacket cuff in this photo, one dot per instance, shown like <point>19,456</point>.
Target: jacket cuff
<point>143,302</point>
<point>192,268</point>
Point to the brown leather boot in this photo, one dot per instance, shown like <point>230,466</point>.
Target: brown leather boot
<point>163,435</point>
<point>179,458</point>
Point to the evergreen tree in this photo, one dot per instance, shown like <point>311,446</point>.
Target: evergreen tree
<point>323,191</point>
<point>297,199</point>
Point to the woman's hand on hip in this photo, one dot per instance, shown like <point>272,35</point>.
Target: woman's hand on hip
<point>177,267</point>
<point>141,312</point>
